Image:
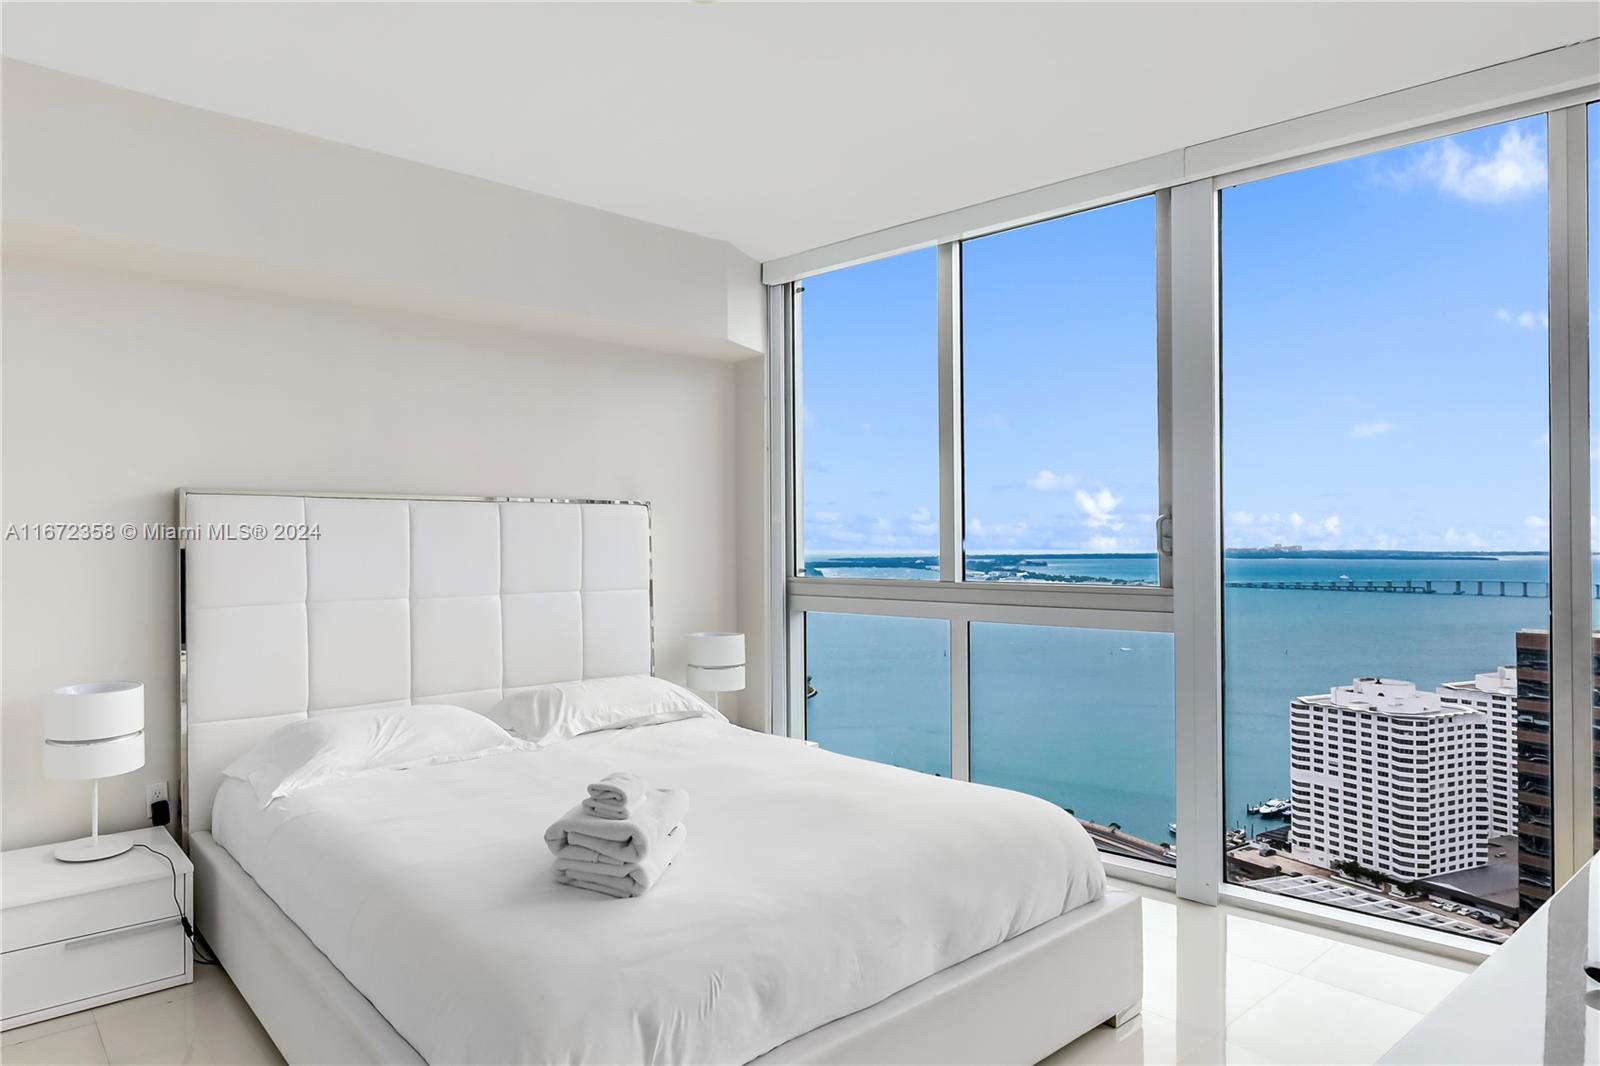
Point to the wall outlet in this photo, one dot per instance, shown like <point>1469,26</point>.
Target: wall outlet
<point>155,792</point>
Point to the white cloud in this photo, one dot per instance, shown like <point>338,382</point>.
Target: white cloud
<point>1103,544</point>
<point>1523,319</point>
<point>1330,525</point>
<point>1295,520</point>
<point>1514,168</point>
<point>1050,481</point>
<point>1533,521</point>
<point>922,523</point>
<point>1099,508</point>
<point>1366,430</point>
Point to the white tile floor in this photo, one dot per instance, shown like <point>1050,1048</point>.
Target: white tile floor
<point>1228,986</point>
<point>1221,986</point>
<point>204,1022</point>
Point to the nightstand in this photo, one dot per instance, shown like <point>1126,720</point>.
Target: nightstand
<point>78,935</point>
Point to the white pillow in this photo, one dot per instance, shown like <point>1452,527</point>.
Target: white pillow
<point>549,713</point>
<point>304,754</point>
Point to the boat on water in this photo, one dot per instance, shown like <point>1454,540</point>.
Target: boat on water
<point>1172,827</point>
<point>1276,807</point>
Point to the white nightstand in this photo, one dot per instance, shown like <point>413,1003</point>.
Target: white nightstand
<point>77,935</point>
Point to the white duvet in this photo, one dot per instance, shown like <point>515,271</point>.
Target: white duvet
<point>813,885</point>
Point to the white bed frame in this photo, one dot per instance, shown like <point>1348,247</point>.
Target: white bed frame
<point>298,604</point>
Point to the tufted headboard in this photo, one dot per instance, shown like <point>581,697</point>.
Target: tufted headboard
<point>306,604</point>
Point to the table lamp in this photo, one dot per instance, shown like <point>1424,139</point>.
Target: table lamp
<point>93,731</point>
<point>716,663</point>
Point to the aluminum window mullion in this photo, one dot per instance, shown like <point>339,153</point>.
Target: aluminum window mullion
<point>1061,617</point>
<point>1163,289</point>
<point>961,699</point>
<point>1197,536</point>
<point>1571,640</point>
<point>951,523</point>
<point>780,485</point>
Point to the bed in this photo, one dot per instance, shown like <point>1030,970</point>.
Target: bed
<point>825,909</point>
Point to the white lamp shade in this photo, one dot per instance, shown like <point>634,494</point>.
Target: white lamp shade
<point>716,662</point>
<point>715,679</point>
<point>94,730</point>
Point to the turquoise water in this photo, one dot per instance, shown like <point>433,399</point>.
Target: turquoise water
<point>1084,717</point>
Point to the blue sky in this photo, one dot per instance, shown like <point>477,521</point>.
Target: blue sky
<point>1384,380</point>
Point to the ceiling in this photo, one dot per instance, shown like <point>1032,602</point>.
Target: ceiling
<point>777,127</point>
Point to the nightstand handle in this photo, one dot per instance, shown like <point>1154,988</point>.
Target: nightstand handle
<point>95,938</point>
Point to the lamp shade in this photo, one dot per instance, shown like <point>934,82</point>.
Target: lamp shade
<point>94,730</point>
<point>716,662</point>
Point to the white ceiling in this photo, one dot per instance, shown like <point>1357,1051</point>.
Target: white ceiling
<point>777,127</point>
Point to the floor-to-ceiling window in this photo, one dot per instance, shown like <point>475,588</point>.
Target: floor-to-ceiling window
<point>1385,521</point>
<point>977,587</point>
<point>1339,385</point>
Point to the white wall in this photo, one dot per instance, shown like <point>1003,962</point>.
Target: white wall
<point>193,300</point>
<point>118,388</point>
<point>128,179</point>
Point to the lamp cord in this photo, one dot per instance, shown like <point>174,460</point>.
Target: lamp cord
<point>188,930</point>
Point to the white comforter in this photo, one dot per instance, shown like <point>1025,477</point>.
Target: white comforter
<point>813,885</point>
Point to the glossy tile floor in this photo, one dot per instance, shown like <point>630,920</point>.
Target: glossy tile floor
<point>1220,985</point>
<point>1228,986</point>
<point>207,1021</point>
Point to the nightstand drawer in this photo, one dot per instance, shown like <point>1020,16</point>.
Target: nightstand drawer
<point>71,970</point>
<point>90,912</point>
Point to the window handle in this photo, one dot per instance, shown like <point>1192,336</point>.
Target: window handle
<point>1164,533</point>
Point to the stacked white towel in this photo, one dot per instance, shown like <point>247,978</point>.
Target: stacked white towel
<point>622,838</point>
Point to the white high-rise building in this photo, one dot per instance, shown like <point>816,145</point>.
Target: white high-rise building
<point>1390,778</point>
<point>1496,695</point>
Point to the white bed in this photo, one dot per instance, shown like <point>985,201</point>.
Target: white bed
<point>824,908</point>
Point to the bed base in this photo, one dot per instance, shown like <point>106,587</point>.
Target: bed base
<point>1015,1003</point>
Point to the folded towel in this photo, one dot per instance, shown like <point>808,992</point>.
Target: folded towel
<point>629,839</point>
<point>616,795</point>
<point>622,880</point>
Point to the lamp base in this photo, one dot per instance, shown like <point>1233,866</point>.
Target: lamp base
<point>92,849</point>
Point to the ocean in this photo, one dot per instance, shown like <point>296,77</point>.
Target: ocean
<point>1084,718</point>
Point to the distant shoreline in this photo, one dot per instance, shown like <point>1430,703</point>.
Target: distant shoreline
<point>1231,553</point>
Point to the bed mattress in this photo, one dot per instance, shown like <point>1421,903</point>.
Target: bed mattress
<point>812,886</point>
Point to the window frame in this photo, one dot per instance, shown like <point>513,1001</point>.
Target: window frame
<point>1187,601</point>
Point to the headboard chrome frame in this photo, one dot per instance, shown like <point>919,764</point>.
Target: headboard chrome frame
<point>183,652</point>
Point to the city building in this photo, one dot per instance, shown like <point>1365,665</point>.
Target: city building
<point>1390,778</point>
<point>1495,694</point>
<point>1535,868</point>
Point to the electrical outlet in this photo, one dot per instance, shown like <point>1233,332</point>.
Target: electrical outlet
<point>155,792</point>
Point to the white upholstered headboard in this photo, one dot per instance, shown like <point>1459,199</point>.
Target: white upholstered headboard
<point>298,605</point>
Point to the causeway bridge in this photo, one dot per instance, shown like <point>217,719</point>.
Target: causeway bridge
<point>1415,587</point>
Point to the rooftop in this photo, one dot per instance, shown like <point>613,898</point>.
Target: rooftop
<point>1503,682</point>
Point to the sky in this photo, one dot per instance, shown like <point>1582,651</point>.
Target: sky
<point>1384,368</point>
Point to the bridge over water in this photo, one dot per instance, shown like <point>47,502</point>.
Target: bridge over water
<point>1416,587</point>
